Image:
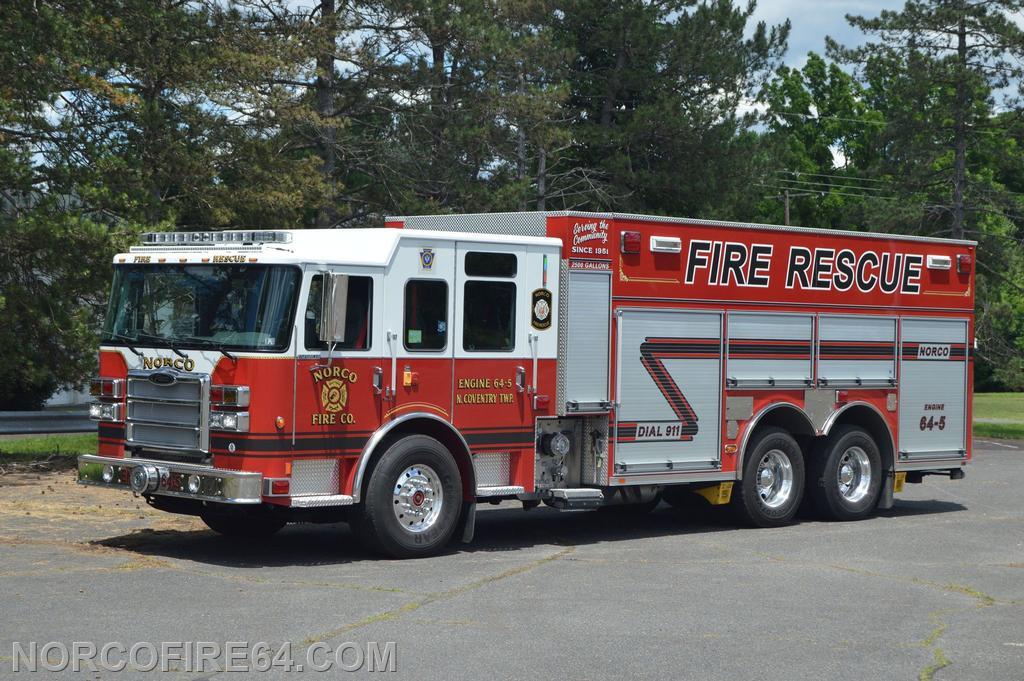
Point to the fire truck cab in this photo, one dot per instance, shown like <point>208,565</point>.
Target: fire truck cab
<point>393,378</point>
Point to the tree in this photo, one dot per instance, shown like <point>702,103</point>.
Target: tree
<point>821,134</point>
<point>944,59</point>
<point>656,89</point>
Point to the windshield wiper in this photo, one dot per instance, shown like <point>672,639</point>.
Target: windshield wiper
<point>206,342</point>
<point>169,342</point>
<point>127,340</point>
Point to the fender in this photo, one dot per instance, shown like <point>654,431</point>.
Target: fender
<point>753,423</point>
<point>377,437</point>
<point>834,416</point>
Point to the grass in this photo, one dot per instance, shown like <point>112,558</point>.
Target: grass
<point>36,447</point>
<point>999,415</point>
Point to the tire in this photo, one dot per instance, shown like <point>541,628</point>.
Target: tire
<point>773,480</point>
<point>413,500</point>
<point>239,526</point>
<point>845,475</point>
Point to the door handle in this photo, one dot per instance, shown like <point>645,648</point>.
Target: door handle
<point>520,379</point>
<point>378,380</point>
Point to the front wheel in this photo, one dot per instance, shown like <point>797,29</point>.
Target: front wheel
<point>845,475</point>
<point>773,480</point>
<point>413,499</point>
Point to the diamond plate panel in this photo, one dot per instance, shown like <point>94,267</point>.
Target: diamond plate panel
<point>519,224</point>
<point>492,470</point>
<point>315,476</point>
<point>563,334</point>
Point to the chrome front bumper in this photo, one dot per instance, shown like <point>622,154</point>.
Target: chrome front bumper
<point>172,479</point>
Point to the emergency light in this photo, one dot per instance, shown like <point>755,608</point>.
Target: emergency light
<point>226,237</point>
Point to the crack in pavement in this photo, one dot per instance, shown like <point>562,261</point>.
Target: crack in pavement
<point>413,606</point>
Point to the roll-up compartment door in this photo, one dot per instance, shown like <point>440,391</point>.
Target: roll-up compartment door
<point>769,350</point>
<point>669,391</point>
<point>856,350</point>
<point>585,353</point>
<point>933,389</point>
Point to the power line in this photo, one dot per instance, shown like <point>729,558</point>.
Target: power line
<point>829,185</point>
<point>836,193</point>
<point>841,177</point>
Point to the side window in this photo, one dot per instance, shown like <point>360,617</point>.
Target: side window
<point>358,317</point>
<point>489,316</point>
<point>491,264</point>
<point>489,306</point>
<point>426,314</point>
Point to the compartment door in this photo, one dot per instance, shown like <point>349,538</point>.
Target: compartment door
<point>587,342</point>
<point>933,389</point>
<point>669,369</point>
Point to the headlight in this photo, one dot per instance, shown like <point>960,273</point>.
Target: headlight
<point>229,395</point>
<point>193,484</point>
<point>108,473</point>
<point>105,411</point>
<point>230,420</point>
<point>108,388</point>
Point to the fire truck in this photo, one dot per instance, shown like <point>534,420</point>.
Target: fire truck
<point>394,378</point>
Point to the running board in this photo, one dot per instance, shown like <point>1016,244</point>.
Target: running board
<point>499,491</point>
<point>577,498</point>
<point>322,501</point>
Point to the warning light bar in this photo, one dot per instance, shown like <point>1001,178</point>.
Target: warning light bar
<point>227,237</point>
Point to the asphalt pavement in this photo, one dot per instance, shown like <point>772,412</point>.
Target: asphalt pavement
<point>933,588</point>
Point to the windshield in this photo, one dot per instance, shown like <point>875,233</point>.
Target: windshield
<point>234,307</point>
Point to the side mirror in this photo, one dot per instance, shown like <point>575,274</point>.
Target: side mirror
<point>333,308</point>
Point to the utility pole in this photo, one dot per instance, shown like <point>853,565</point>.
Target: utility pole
<point>960,127</point>
<point>787,208</point>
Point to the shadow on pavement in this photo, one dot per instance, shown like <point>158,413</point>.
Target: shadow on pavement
<point>502,529</point>
<point>497,530</point>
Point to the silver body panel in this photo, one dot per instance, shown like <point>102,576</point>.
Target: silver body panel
<point>651,436</point>
<point>932,389</point>
<point>871,335</point>
<point>588,340</point>
<point>747,328</point>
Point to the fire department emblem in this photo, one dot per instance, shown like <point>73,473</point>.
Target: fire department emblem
<point>427,258</point>
<point>541,309</point>
<point>333,395</point>
<point>332,383</point>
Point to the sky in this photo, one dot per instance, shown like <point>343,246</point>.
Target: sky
<point>814,19</point>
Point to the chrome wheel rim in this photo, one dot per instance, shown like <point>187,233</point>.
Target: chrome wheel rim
<point>418,497</point>
<point>774,478</point>
<point>853,475</point>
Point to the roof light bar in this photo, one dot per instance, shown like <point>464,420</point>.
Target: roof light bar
<point>232,237</point>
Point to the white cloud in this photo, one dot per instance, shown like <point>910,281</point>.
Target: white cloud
<point>812,20</point>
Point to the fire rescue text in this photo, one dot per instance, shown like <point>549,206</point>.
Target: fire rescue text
<point>728,263</point>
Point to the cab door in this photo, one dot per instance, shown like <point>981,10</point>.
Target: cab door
<point>419,308</point>
<point>493,344</point>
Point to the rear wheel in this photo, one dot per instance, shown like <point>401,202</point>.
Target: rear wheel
<point>845,475</point>
<point>413,499</point>
<point>242,526</point>
<point>773,480</point>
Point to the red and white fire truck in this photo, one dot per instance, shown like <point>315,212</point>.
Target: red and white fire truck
<point>394,378</point>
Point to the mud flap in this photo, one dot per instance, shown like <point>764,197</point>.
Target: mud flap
<point>468,521</point>
<point>885,499</point>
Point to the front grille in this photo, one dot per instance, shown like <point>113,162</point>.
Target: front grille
<point>172,413</point>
